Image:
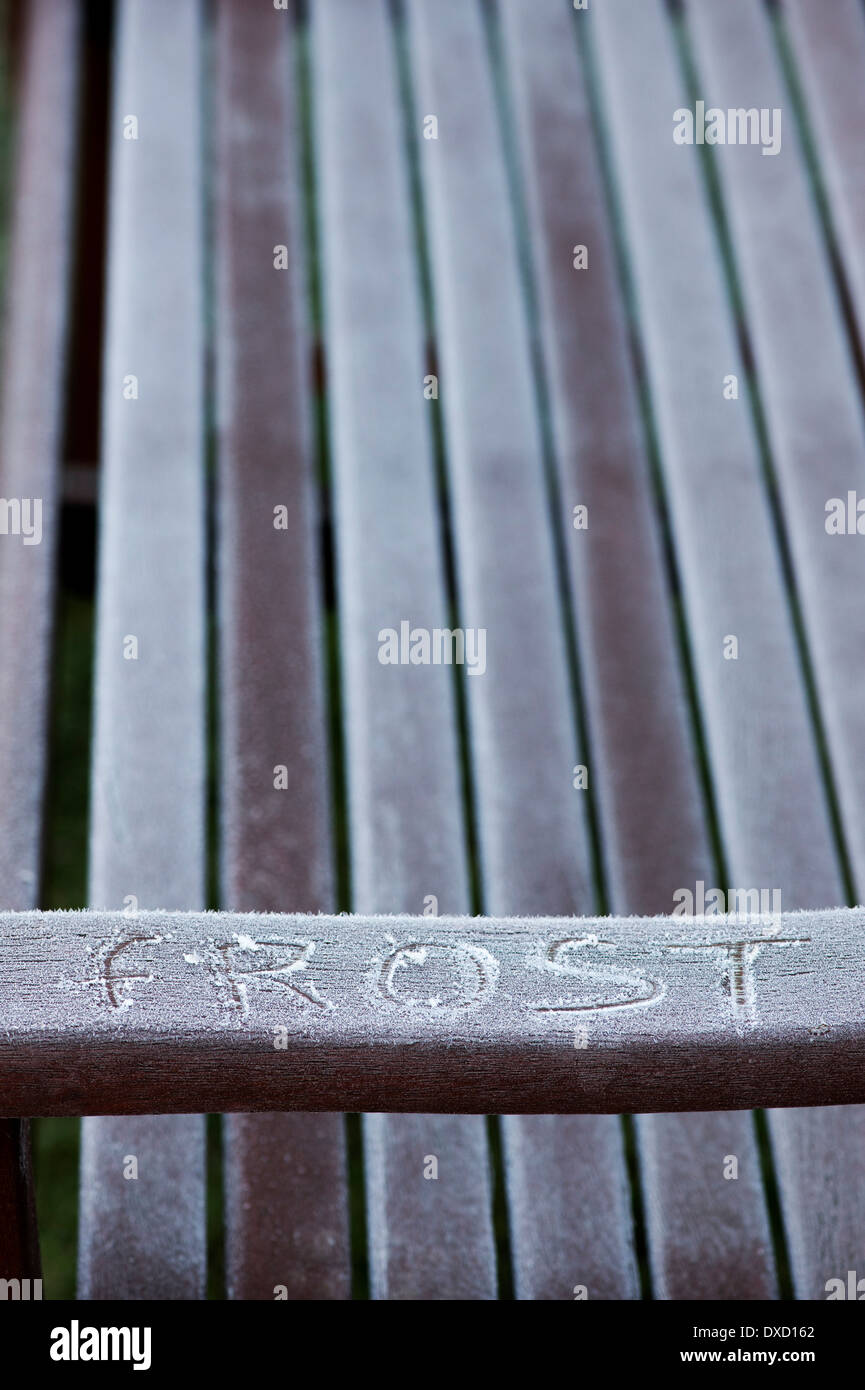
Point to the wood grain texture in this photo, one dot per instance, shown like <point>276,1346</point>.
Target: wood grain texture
<point>810,394</point>
<point>429,1238</point>
<point>429,1229</point>
<point>286,1194</point>
<point>759,737</point>
<point>31,413</point>
<point>531,822</point>
<point>708,1227</point>
<point>142,1236</point>
<point>569,1203</point>
<point>31,417</point>
<point>457,1015</point>
<point>805,374</point>
<point>146,1239</point>
<point>286,1207</point>
<point>679,283</point>
<point>643,761</point>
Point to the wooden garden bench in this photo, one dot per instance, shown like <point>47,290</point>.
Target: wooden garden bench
<point>350,323</point>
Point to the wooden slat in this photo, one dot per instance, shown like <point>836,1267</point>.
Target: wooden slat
<point>805,374</point>
<point>429,1238</point>
<point>31,417</point>
<point>531,821</point>
<point>759,737</point>
<point>531,831</point>
<point>810,395</point>
<point>643,758</point>
<point>31,413</point>
<point>770,800</point>
<point>820,1158</point>
<point>828,42</point>
<point>706,1219</point>
<point>146,1238</point>
<point>457,1016</point>
<point>643,761</point>
<point>429,1229</point>
<point>286,1196</point>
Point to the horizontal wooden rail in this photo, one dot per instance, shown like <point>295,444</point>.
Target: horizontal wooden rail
<point>158,1012</point>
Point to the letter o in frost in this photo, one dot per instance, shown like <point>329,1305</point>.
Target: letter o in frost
<point>438,975</point>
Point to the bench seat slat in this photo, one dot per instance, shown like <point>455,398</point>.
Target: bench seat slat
<point>816,433</point>
<point>286,1213</point>
<point>429,1238</point>
<point>31,417</point>
<point>643,760</point>
<point>709,1236</point>
<point>286,1187</point>
<point>31,402</point>
<point>531,827</point>
<point>569,1203</point>
<point>531,823</point>
<point>760,741</point>
<point>145,1238</point>
<point>805,375</point>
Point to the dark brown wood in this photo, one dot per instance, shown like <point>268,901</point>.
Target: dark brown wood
<point>429,1207</point>
<point>562,1020</point>
<point>531,822</point>
<point>643,762</point>
<point>286,1207</point>
<point>643,759</point>
<point>705,1206</point>
<point>429,1237</point>
<point>805,374</point>
<point>564,1240</point>
<point>759,736</point>
<point>807,381</point>
<point>828,45</point>
<point>145,1237</point>
<point>105,1011</point>
<point>768,785</point>
<point>31,413</point>
<point>285,1175</point>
